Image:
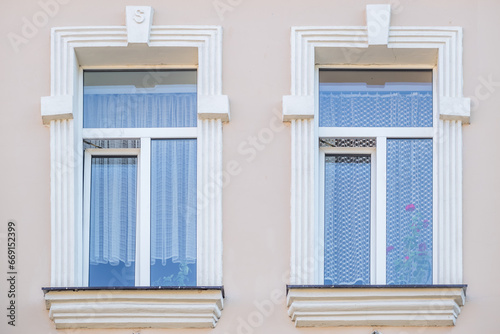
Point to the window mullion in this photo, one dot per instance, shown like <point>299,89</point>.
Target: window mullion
<point>379,223</point>
<point>143,249</point>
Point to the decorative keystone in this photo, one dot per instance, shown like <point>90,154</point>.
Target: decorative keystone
<point>378,19</point>
<point>139,22</point>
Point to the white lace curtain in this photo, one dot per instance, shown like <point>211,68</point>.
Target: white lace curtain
<point>173,200</point>
<point>375,109</point>
<point>113,210</point>
<point>114,180</point>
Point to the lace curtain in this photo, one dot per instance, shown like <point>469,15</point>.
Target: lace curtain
<point>375,109</point>
<point>113,210</point>
<point>173,200</point>
<point>114,179</point>
<point>409,211</point>
<point>145,110</point>
<point>347,219</point>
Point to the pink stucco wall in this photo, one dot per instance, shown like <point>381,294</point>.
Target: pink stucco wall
<point>256,209</point>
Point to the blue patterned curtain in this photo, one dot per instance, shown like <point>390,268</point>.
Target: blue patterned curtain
<point>409,211</point>
<point>347,219</point>
<point>375,109</point>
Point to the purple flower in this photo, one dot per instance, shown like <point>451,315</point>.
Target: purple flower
<point>422,247</point>
<point>410,207</point>
<point>407,257</point>
<point>426,223</point>
<point>389,249</point>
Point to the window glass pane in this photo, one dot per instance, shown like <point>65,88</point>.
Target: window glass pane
<point>347,219</point>
<point>347,142</point>
<point>375,98</point>
<point>111,143</point>
<point>173,212</point>
<point>409,211</point>
<point>112,221</point>
<point>139,99</point>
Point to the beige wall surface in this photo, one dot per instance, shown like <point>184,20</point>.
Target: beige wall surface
<point>256,204</point>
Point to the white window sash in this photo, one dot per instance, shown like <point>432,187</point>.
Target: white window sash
<point>143,221</point>
<point>379,182</point>
<point>323,151</point>
<point>95,152</point>
<point>143,246</point>
<point>378,204</point>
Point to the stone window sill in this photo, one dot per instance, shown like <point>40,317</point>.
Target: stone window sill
<point>375,305</point>
<point>135,307</point>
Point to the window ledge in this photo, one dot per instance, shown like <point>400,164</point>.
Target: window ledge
<point>375,305</point>
<point>135,307</point>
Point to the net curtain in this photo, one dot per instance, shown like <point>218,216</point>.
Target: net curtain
<point>173,180</point>
<point>375,109</point>
<point>347,219</point>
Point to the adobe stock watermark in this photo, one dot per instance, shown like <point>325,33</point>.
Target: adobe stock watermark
<point>223,6</point>
<point>276,300</point>
<point>249,150</point>
<point>354,54</point>
<point>483,91</point>
<point>30,25</point>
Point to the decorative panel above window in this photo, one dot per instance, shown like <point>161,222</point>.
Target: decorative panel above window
<point>131,151</point>
<point>376,174</point>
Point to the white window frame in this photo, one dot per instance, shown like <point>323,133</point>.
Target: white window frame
<point>87,180</point>
<point>377,44</point>
<point>139,44</point>
<point>144,135</point>
<point>379,171</point>
<point>323,152</point>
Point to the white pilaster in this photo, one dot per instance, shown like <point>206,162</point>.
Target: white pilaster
<point>302,201</point>
<point>62,202</point>
<point>209,266</point>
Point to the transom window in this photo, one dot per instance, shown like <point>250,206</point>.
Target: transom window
<point>140,202</point>
<point>376,151</point>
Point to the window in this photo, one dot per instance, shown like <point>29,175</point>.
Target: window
<point>359,181</point>
<point>114,143</point>
<point>140,187</point>
<point>376,167</point>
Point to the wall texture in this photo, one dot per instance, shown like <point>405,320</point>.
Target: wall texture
<point>256,209</point>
